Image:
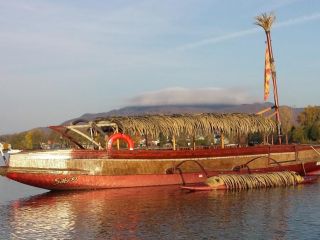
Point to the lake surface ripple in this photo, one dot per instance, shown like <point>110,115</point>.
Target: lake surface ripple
<point>164,213</point>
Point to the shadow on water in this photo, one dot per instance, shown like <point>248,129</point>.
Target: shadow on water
<point>165,213</point>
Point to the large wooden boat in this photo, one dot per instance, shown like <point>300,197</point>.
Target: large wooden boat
<point>108,167</point>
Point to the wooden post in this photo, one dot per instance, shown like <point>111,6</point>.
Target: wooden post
<point>194,142</point>
<point>275,88</point>
<point>174,142</point>
<point>118,142</point>
<point>272,139</point>
<point>222,139</point>
<point>146,137</point>
<point>266,21</point>
<point>106,139</point>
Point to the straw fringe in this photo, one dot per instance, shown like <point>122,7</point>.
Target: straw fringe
<point>193,124</point>
<point>265,21</point>
<point>257,180</point>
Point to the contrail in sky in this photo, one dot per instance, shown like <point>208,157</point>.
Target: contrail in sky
<point>303,19</point>
<point>290,22</point>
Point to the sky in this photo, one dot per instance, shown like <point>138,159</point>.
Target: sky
<point>60,59</point>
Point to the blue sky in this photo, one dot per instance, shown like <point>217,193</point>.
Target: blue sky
<point>61,59</point>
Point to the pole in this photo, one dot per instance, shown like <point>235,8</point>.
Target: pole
<point>222,139</point>
<point>118,142</point>
<point>194,142</point>
<point>275,88</point>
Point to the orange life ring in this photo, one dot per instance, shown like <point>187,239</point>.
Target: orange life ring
<point>120,136</point>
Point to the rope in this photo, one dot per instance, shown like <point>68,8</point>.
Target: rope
<point>315,150</point>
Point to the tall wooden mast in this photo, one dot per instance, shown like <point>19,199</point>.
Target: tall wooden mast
<point>265,21</point>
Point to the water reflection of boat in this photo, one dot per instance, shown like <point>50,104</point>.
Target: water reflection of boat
<point>162,213</point>
<point>105,214</point>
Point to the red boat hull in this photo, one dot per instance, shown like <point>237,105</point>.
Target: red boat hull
<point>93,169</point>
<point>81,181</point>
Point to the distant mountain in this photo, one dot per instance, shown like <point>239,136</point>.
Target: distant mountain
<point>171,109</point>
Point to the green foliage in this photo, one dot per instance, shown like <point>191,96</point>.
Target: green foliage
<point>28,140</point>
<point>206,141</point>
<point>16,140</point>
<point>31,139</point>
<point>309,116</point>
<point>287,119</point>
<point>314,132</point>
<point>299,135</point>
<point>309,129</point>
<point>162,139</point>
<point>255,138</point>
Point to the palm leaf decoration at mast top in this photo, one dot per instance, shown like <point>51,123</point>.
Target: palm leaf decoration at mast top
<point>265,21</point>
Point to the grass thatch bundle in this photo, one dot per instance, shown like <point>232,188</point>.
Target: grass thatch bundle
<point>265,21</point>
<point>256,180</point>
<point>193,124</point>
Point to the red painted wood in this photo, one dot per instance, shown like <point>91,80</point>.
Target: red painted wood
<point>314,173</point>
<point>189,153</point>
<point>198,187</point>
<point>77,182</point>
<point>53,181</point>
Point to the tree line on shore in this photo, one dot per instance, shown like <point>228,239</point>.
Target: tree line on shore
<point>304,128</point>
<point>308,128</point>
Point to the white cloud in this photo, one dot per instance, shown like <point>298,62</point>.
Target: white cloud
<point>180,96</point>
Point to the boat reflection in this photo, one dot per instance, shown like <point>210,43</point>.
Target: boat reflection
<point>113,213</point>
<point>153,212</point>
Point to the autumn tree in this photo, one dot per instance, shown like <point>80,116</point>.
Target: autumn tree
<point>309,125</point>
<point>299,135</point>
<point>314,132</point>
<point>309,116</point>
<point>287,121</point>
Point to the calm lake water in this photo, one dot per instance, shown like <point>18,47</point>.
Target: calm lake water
<point>159,213</point>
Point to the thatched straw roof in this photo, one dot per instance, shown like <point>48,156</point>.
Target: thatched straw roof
<point>190,124</point>
<point>265,21</point>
